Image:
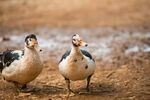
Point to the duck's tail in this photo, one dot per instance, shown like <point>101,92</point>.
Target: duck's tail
<point>1,62</point>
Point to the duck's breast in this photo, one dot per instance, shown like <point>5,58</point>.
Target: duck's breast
<point>24,70</point>
<point>77,68</point>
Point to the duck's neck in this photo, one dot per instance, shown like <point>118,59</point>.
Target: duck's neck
<point>31,61</point>
<point>30,53</point>
<point>75,49</point>
<point>75,54</point>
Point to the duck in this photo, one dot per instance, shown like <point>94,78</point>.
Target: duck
<point>77,64</point>
<point>22,66</point>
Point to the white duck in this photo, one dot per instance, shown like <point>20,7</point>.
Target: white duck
<point>77,64</point>
<point>21,66</point>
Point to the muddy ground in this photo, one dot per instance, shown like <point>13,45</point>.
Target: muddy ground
<point>118,35</point>
<point>122,56</point>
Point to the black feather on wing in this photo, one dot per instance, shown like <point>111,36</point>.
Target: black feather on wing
<point>8,56</point>
<point>84,52</point>
<point>87,54</point>
<point>65,55</point>
<point>1,64</point>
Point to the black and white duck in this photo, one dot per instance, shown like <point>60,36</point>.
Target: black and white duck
<point>21,66</point>
<point>77,64</point>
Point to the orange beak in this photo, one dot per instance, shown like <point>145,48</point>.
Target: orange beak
<point>36,46</point>
<point>82,43</point>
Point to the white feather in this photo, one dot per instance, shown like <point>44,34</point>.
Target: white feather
<point>76,70</point>
<point>25,69</point>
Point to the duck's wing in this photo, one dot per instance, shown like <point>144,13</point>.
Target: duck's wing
<point>9,56</point>
<point>1,64</point>
<point>65,55</point>
<point>87,54</point>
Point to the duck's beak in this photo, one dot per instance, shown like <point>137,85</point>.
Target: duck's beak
<point>82,43</point>
<point>36,46</point>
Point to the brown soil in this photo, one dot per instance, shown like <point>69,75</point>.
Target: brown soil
<point>123,83</point>
<point>125,77</point>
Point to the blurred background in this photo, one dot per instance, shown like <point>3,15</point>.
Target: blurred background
<point>117,31</point>
<point>24,14</point>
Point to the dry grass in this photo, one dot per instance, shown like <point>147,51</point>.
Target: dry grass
<point>73,13</point>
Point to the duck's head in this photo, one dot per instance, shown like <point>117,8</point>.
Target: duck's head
<point>77,41</point>
<point>31,42</point>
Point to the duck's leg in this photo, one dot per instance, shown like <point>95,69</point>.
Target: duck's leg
<point>88,82</point>
<point>68,85</point>
<point>17,86</point>
<point>4,78</point>
<point>26,90</point>
<point>24,86</point>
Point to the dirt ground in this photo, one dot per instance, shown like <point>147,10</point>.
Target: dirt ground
<point>118,34</point>
<point>123,83</point>
<point>122,73</point>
